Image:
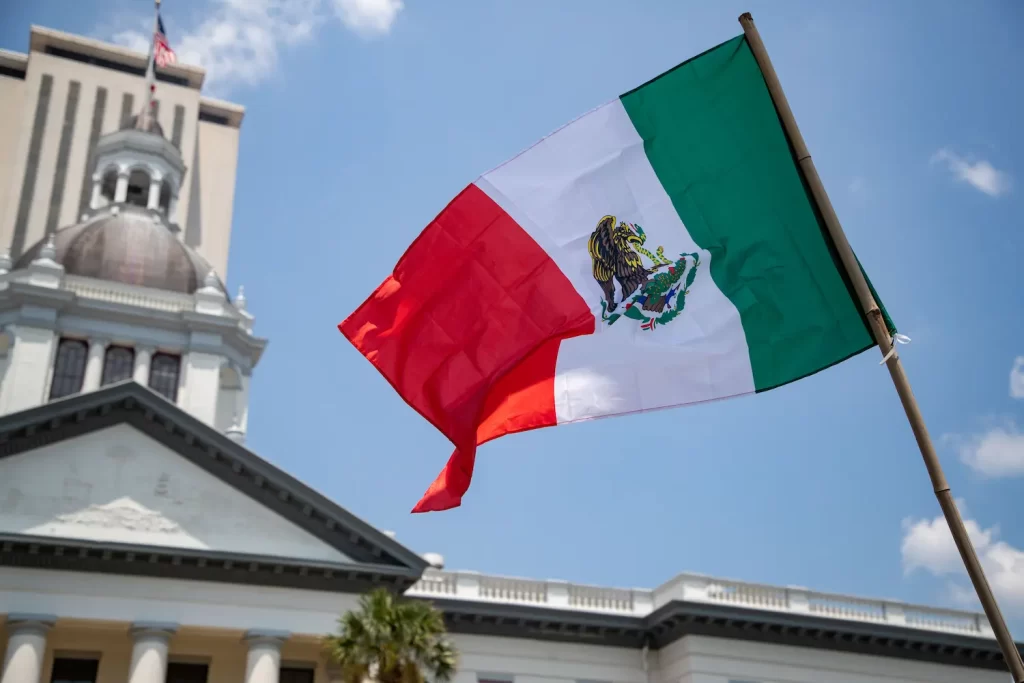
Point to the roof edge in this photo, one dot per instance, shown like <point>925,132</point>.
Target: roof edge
<point>41,37</point>
<point>13,60</point>
<point>231,113</point>
<point>168,562</point>
<point>679,618</point>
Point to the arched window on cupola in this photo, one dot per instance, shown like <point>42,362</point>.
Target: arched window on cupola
<point>138,188</point>
<point>165,197</point>
<point>108,185</point>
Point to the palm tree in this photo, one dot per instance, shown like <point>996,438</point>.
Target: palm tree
<point>392,640</point>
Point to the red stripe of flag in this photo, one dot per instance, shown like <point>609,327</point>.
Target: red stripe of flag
<point>466,329</point>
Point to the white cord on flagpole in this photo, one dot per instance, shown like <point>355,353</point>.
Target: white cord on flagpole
<point>896,339</point>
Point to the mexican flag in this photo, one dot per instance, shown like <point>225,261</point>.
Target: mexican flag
<point>660,250</point>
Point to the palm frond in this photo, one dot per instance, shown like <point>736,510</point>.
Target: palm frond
<point>392,640</point>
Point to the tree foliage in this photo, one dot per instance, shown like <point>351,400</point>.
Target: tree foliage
<point>392,640</point>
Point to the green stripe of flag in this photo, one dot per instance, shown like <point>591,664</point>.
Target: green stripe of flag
<point>713,137</point>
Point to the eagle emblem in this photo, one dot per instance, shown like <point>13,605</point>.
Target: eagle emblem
<point>651,293</point>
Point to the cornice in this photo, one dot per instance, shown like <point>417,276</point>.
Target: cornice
<point>679,618</point>
<point>41,552</point>
<point>70,307</point>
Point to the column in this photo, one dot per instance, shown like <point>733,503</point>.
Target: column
<point>143,357</point>
<point>153,202</point>
<point>202,385</point>
<point>172,210</point>
<point>94,365</point>
<point>149,651</point>
<point>263,663</point>
<point>26,647</point>
<point>242,400</point>
<point>121,190</point>
<point>97,191</point>
<point>26,378</point>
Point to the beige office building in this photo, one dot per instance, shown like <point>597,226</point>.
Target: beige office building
<point>67,93</point>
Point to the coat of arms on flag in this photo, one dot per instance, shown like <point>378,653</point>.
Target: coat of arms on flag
<point>656,293</point>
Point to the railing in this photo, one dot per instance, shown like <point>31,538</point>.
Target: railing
<point>694,588</point>
<point>441,585</point>
<point>96,290</point>
<point>942,620</point>
<point>592,598</point>
<point>553,594</point>
<point>521,591</point>
<point>156,299</point>
<point>850,609</point>
<point>748,595</point>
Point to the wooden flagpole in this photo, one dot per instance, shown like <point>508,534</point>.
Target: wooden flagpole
<point>886,344</point>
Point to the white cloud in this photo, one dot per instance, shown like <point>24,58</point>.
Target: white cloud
<point>368,17</point>
<point>1017,378</point>
<point>928,545</point>
<point>979,174</point>
<point>239,42</point>
<point>133,40</point>
<point>858,186</point>
<point>998,452</point>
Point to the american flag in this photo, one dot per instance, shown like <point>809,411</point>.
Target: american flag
<point>162,52</point>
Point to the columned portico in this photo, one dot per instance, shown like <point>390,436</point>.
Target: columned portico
<point>26,647</point>
<point>263,662</point>
<point>149,652</point>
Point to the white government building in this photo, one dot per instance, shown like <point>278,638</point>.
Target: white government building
<point>141,541</point>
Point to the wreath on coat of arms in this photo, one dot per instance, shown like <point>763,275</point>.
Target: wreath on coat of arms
<point>652,294</point>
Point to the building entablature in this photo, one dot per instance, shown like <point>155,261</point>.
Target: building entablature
<point>87,307</point>
<point>130,147</point>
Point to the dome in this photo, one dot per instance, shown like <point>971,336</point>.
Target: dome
<point>128,247</point>
<point>153,126</point>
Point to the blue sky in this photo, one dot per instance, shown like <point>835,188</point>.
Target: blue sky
<point>365,116</point>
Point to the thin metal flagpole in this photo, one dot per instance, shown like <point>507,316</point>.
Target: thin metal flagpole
<point>147,109</point>
<point>887,345</point>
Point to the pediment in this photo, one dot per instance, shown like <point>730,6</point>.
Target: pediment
<point>120,485</point>
<point>124,467</point>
